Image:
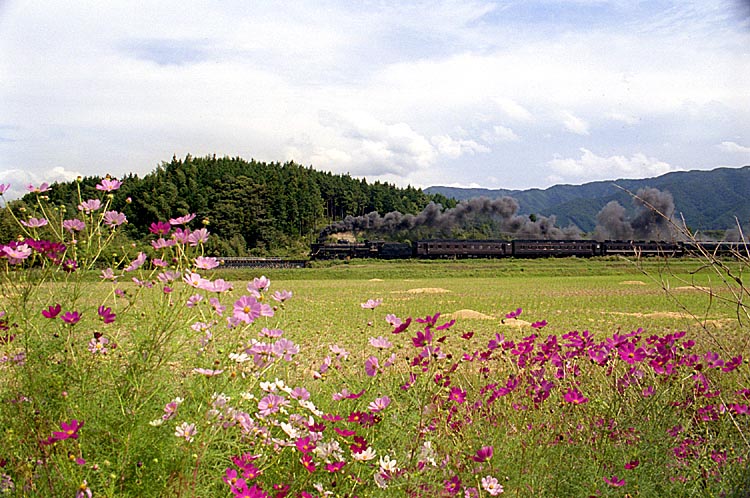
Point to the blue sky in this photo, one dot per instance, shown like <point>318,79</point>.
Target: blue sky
<point>497,94</point>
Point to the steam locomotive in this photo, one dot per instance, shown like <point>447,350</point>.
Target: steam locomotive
<point>457,249</point>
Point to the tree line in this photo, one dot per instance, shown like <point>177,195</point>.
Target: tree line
<point>250,207</point>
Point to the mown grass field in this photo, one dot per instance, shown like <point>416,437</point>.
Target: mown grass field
<point>600,295</point>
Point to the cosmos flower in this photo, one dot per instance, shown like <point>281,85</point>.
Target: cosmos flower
<point>106,314</point>
<point>380,342</point>
<point>206,263</point>
<point>74,225</point>
<point>69,430</point>
<point>114,219</point>
<point>71,317</point>
<point>90,205</point>
<point>575,397</point>
<point>109,185</point>
<point>52,311</point>
<point>483,454</point>
<point>492,486</point>
<point>371,304</point>
<point>182,220</point>
<point>186,431</point>
<point>614,481</point>
<point>18,253</point>
<point>34,222</point>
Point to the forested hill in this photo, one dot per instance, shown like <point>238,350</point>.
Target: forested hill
<point>252,207</point>
<point>707,199</point>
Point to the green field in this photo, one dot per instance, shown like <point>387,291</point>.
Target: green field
<point>588,405</point>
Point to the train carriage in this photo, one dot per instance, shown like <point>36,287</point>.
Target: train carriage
<point>462,249</point>
<point>555,248</point>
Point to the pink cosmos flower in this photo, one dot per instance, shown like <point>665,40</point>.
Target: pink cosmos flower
<point>74,225</point>
<point>271,403</point>
<point>180,235</point>
<point>109,185</point>
<point>206,263</point>
<point>98,345</point>
<point>492,486</point>
<point>18,253</point>
<point>371,304</point>
<point>260,284</point>
<point>186,431</point>
<point>162,243</point>
<point>114,219</point>
<point>208,372</point>
<point>198,237</point>
<point>137,262</point>
<point>44,187</point>
<point>247,309</point>
<point>346,394</point>
<point>34,222</point>
<point>281,296</point>
<point>218,286</point>
<point>90,205</point>
<point>4,187</point>
<point>182,220</point>
<point>379,404</point>
<point>393,320</point>
<point>108,274</point>
<point>380,342</point>
<point>371,366</point>
<point>194,280</point>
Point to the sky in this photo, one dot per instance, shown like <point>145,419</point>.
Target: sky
<point>470,93</point>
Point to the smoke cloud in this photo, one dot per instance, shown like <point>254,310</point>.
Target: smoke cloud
<point>500,216</point>
<point>652,220</point>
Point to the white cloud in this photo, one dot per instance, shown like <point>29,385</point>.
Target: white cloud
<point>574,124</point>
<point>453,148</point>
<point>734,147</point>
<point>512,109</point>
<point>500,134</point>
<point>590,167</point>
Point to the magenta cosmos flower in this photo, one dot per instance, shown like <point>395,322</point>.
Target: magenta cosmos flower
<point>69,430</point>
<point>457,394</point>
<point>71,317</point>
<point>52,311</point>
<point>483,454</point>
<point>106,314</point>
<point>575,397</point>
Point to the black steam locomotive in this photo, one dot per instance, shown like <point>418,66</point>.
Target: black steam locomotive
<point>456,249</point>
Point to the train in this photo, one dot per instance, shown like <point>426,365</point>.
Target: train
<point>537,248</point>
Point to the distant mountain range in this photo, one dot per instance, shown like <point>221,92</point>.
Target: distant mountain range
<point>708,200</point>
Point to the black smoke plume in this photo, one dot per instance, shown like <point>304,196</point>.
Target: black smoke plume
<point>652,219</point>
<point>501,214</point>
